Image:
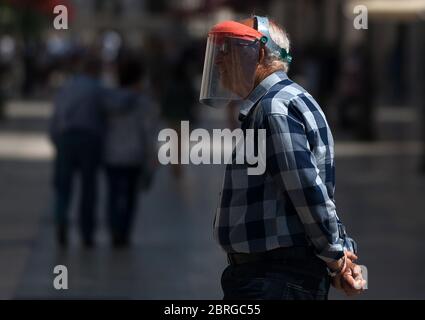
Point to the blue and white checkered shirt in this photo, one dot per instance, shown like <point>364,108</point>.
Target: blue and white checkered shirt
<point>292,203</point>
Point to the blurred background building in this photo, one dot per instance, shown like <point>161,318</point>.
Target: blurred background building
<point>370,83</point>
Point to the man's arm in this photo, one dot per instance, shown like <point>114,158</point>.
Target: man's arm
<point>294,168</point>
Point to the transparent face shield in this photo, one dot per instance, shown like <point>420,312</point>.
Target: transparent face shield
<point>229,69</point>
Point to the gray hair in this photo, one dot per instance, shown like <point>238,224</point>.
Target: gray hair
<point>281,38</point>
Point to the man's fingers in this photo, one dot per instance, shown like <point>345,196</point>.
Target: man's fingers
<point>357,271</point>
<point>353,283</point>
<point>358,277</point>
<point>350,255</point>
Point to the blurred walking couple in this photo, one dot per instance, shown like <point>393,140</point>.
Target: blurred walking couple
<point>95,127</point>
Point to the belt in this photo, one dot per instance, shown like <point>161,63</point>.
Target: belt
<point>285,254</point>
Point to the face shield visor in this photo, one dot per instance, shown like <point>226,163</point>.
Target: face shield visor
<point>231,59</point>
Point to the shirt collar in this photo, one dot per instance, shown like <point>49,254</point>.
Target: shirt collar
<point>259,91</point>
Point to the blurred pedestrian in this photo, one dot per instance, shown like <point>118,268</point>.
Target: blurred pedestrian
<point>129,153</point>
<point>76,130</point>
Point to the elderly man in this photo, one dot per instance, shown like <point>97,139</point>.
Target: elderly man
<point>280,229</point>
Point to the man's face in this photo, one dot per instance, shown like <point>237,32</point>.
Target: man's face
<point>237,60</point>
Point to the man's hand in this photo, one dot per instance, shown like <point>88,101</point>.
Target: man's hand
<point>350,280</point>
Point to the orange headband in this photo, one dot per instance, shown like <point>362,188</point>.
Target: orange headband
<point>235,29</point>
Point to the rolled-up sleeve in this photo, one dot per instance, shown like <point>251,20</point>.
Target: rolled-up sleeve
<point>294,169</point>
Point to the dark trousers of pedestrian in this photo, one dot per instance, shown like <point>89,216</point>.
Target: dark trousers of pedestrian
<point>77,154</point>
<point>291,275</point>
<point>123,190</point>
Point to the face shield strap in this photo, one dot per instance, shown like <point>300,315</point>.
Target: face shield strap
<point>262,24</point>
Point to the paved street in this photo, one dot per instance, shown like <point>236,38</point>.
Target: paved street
<point>379,197</point>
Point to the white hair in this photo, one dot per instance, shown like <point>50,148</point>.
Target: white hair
<point>280,37</point>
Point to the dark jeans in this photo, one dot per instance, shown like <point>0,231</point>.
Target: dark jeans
<point>77,152</point>
<point>122,197</point>
<point>304,279</point>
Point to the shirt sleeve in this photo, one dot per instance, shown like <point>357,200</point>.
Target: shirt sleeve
<point>349,243</point>
<point>294,168</point>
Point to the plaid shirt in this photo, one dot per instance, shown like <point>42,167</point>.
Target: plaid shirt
<point>292,203</point>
